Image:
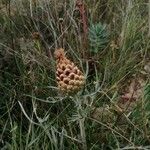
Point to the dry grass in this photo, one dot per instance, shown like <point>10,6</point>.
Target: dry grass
<point>106,114</point>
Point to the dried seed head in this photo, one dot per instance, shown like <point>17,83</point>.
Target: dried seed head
<point>69,78</point>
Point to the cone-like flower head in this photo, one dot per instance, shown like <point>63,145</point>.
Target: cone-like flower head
<point>69,78</point>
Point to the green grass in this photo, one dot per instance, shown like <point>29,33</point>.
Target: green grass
<point>33,113</point>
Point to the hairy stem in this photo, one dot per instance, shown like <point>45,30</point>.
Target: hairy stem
<point>81,123</point>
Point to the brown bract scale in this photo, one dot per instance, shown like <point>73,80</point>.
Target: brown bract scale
<point>69,78</point>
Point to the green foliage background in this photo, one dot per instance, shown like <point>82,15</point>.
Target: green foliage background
<point>115,49</point>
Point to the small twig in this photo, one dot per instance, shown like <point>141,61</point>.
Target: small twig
<point>81,8</point>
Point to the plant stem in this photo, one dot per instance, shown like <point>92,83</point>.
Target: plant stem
<point>82,133</point>
<point>81,124</point>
